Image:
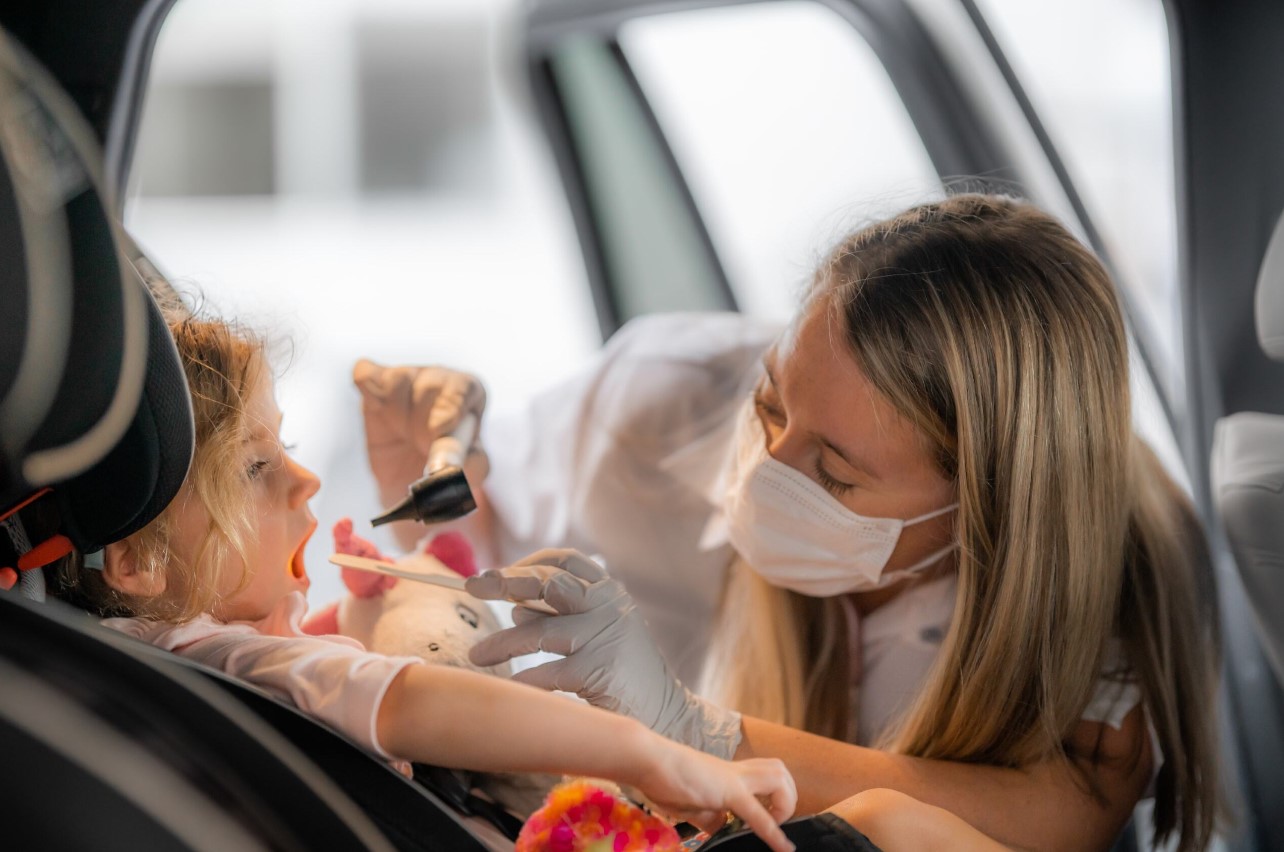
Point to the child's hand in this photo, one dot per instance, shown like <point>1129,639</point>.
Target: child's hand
<point>700,789</point>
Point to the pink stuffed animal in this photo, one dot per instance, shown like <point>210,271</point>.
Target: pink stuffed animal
<point>404,618</point>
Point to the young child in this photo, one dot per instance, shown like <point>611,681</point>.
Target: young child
<point>219,577</point>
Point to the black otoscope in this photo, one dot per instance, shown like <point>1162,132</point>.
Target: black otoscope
<point>443,493</point>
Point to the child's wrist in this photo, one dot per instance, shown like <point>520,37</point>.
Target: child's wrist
<point>643,752</point>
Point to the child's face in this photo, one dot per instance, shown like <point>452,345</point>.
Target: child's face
<point>280,520</point>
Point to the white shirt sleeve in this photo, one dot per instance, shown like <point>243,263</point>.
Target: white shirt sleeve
<point>660,383</point>
<point>900,642</point>
<point>331,678</point>
<point>338,685</point>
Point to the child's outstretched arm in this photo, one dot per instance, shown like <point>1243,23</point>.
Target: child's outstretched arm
<point>463,719</point>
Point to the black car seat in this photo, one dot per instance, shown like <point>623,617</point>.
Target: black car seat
<point>106,747</point>
<point>1248,475</point>
<point>438,810</point>
<point>115,355</point>
<point>143,748</point>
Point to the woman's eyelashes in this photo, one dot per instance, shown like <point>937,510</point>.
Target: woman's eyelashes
<point>772,414</point>
<point>833,486</point>
<point>256,468</point>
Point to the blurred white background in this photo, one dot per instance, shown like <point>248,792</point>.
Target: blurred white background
<point>365,178</point>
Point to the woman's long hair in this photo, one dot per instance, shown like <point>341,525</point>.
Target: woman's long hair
<point>994,331</point>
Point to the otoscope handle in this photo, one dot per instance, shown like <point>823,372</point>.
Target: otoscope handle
<point>450,450</point>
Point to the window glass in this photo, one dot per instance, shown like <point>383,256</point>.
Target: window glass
<point>1108,111</point>
<point>357,176</point>
<point>788,130</point>
<point>650,242</point>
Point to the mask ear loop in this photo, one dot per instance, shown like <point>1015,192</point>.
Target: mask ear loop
<point>933,514</point>
<point>928,561</point>
<point>932,558</point>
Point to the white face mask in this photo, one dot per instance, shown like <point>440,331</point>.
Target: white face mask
<point>794,534</point>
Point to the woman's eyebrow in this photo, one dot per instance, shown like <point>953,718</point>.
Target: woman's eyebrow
<point>854,462</point>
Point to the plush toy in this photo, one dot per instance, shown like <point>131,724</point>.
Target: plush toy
<point>405,618</point>
<point>581,816</point>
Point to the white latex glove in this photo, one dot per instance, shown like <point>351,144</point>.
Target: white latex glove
<point>405,410</point>
<point>609,657</point>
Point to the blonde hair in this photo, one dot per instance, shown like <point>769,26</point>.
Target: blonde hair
<point>223,363</point>
<point>994,331</point>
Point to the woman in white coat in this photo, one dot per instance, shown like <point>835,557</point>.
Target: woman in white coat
<point>912,538</point>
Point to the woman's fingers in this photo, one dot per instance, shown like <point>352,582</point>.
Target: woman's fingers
<point>442,397</point>
<point>555,675</point>
<point>567,560</point>
<point>558,635</point>
<point>523,614</point>
<point>565,592</point>
<point>503,646</point>
<point>501,586</point>
<point>418,404</point>
<point>476,464</point>
<point>583,567</point>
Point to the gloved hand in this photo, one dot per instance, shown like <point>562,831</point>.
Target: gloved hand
<point>405,410</point>
<point>610,659</point>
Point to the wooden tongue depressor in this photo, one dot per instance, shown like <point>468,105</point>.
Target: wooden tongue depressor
<point>375,566</point>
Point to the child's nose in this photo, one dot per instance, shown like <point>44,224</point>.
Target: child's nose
<point>306,483</point>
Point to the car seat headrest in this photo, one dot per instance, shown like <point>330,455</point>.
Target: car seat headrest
<point>1268,307</point>
<point>93,402</point>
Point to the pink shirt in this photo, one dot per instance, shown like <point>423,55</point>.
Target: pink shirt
<point>332,678</point>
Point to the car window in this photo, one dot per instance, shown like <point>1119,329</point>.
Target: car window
<point>1109,114</point>
<point>787,129</point>
<point>1108,111</point>
<point>360,178</point>
<point>653,247</point>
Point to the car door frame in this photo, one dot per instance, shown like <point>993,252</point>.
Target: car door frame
<point>973,125</point>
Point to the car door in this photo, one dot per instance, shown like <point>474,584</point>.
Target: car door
<point>692,171</point>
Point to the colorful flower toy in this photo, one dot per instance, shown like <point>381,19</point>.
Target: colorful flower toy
<point>579,816</point>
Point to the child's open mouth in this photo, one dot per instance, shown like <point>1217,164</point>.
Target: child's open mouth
<point>297,569</point>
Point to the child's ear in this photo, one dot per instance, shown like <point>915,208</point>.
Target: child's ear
<point>122,572</point>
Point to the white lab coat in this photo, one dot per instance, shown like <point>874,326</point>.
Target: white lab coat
<point>628,461</point>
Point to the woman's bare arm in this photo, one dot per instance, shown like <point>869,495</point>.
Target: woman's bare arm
<point>1046,806</point>
<point>896,822</point>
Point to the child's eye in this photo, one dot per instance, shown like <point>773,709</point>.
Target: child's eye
<point>256,469</point>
